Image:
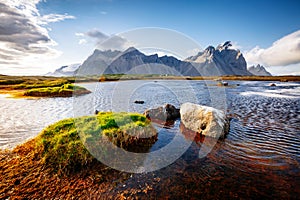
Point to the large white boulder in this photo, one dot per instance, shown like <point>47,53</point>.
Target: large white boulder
<point>205,120</point>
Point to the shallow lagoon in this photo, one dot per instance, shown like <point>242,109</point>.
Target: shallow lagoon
<point>259,158</point>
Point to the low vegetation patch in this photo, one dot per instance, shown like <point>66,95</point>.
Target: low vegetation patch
<point>125,130</point>
<point>65,90</point>
<point>61,147</point>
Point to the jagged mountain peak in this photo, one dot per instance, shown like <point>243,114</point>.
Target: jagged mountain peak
<point>210,50</point>
<point>221,60</point>
<point>227,44</point>
<point>132,50</point>
<point>259,70</point>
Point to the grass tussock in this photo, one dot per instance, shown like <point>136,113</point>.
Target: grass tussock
<point>62,146</point>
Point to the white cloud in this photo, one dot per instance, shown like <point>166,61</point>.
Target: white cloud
<point>24,37</point>
<point>194,51</point>
<point>235,45</point>
<point>82,41</point>
<point>293,69</point>
<point>103,12</point>
<point>96,34</point>
<point>283,52</point>
<point>79,34</point>
<point>54,18</point>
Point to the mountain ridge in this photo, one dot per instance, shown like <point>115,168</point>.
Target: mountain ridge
<point>222,60</point>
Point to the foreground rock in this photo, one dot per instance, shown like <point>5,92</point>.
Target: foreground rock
<point>167,112</point>
<point>205,120</point>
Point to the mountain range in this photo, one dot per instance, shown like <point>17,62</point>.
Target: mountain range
<point>222,60</point>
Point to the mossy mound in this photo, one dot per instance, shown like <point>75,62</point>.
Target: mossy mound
<point>62,146</point>
<point>66,90</point>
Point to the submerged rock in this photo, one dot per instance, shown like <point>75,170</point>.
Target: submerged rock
<point>205,120</point>
<point>167,112</point>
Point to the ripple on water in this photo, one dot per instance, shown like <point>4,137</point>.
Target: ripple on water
<point>264,133</point>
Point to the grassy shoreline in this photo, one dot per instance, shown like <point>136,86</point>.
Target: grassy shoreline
<point>56,163</point>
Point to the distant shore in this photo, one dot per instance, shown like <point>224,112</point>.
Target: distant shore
<point>20,86</point>
<point>120,77</point>
<point>13,80</point>
<point>34,86</point>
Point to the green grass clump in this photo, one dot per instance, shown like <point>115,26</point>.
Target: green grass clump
<point>62,146</point>
<point>65,90</point>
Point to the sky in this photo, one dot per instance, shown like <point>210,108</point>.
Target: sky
<point>39,36</point>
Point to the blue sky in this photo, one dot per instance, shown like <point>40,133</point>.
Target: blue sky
<point>67,31</point>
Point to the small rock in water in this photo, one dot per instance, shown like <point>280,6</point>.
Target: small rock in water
<point>272,84</point>
<point>205,120</point>
<point>222,83</point>
<point>139,102</point>
<point>225,83</point>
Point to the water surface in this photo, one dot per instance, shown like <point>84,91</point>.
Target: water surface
<point>260,157</point>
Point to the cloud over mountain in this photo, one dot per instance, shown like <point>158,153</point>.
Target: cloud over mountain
<point>103,41</point>
<point>285,51</point>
